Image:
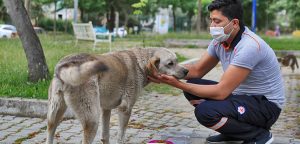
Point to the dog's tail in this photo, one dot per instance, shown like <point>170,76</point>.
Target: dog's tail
<point>77,74</point>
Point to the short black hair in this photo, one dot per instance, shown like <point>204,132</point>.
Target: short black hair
<point>232,9</point>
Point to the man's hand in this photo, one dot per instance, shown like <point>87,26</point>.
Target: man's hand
<point>162,78</point>
<point>154,79</point>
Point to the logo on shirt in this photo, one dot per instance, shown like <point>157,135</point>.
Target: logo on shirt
<point>241,109</point>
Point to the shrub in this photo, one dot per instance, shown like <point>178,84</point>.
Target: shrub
<point>61,25</point>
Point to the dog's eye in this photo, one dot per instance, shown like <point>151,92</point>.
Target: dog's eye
<point>170,63</point>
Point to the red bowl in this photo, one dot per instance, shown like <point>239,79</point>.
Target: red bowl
<point>160,142</point>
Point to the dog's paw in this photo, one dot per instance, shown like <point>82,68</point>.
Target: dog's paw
<point>120,142</point>
<point>103,141</point>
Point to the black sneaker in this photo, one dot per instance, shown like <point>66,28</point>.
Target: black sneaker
<point>222,139</point>
<point>264,138</point>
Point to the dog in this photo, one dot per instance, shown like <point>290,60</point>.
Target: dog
<point>92,85</point>
<point>289,60</point>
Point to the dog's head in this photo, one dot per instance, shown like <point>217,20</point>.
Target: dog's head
<point>165,62</point>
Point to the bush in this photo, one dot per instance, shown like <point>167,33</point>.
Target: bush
<point>61,25</point>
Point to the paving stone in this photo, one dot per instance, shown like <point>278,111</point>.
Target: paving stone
<point>37,126</point>
<point>10,139</point>
<point>67,135</point>
<point>136,141</point>
<point>4,134</point>
<point>142,134</point>
<point>75,129</point>
<point>8,118</point>
<point>23,133</point>
<point>149,114</point>
<point>132,131</point>
<point>295,141</point>
<point>6,126</point>
<point>40,138</point>
<point>282,140</point>
<point>14,129</point>
<point>28,123</point>
<point>197,141</point>
<point>74,140</point>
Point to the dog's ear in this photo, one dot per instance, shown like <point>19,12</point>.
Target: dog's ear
<point>153,64</point>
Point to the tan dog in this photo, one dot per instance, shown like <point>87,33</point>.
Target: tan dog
<point>289,60</point>
<point>93,85</point>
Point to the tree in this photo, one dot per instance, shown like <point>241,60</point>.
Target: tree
<point>27,6</point>
<point>292,10</point>
<point>190,8</point>
<point>38,69</point>
<point>198,23</point>
<point>90,9</point>
<point>2,11</point>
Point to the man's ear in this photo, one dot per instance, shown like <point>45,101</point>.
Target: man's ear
<point>236,22</point>
<point>153,64</point>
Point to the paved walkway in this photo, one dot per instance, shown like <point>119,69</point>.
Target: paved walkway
<point>154,116</point>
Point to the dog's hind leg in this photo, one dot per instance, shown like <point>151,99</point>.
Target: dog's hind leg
<point>84,101</point>
<point>88,115</point>
<point>56,108</point>
<point>105,126</point>
<point>123,122</point>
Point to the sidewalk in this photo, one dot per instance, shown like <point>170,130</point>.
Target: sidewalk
<point>154,116</point>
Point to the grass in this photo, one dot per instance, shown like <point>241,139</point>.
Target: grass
<point>283,43</point>
<point>13,65</point>
<point>163,89</point>
<point>14,71</point>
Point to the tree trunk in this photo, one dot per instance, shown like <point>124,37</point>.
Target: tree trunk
<point>190,16</point>
<point>174,19</point>
<point>126,17</point>
<point>111,19</point>
<point>198,23</point>
<point>54,20</point>
<point>27,6</point>
<point>37,66</point>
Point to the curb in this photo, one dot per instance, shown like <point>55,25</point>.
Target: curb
<point>27,108</point>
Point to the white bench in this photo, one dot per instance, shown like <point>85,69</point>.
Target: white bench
<point>85,31</point>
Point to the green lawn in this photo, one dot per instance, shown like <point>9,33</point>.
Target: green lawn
<point>283,43</point>
<point>13,63</point>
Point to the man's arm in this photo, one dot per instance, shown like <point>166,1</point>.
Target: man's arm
<point>230,80</point>
<point>202,67</point>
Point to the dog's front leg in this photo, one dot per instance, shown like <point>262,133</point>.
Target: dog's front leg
<point>123,122</point>
<point>105,126</point>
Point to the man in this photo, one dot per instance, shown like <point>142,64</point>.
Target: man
<point>248,99</point>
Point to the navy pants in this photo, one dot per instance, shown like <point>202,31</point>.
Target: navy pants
<point>239,116</point>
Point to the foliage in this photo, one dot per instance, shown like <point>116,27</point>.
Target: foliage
<point>291,7</point>
<point>138,6</point>
<point>180,57</point>
<point>205,12</point>
<point>61,25</point>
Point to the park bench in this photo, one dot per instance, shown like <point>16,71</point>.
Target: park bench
<point>85,31</point>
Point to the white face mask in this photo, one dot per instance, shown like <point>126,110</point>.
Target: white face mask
<point>218,33</point>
